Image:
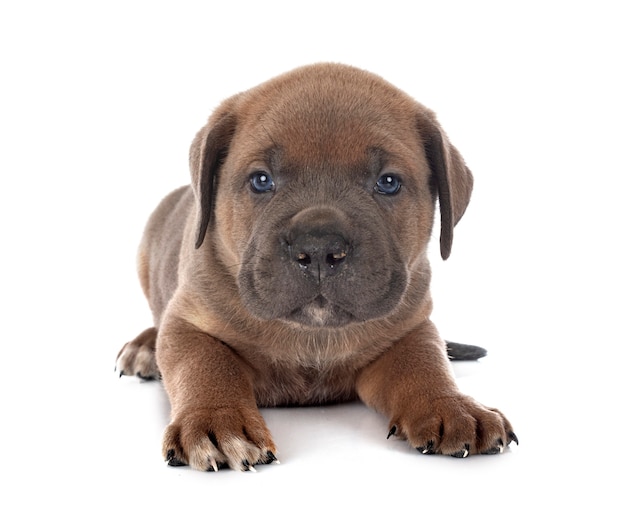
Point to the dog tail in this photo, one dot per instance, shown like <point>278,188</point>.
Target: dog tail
<point>464,352</point>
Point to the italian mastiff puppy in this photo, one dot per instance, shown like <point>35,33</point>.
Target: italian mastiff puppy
<point>293,271</point>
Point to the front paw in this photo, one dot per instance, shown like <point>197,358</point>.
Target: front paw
<point>457,426</point>
<point>214,438</point>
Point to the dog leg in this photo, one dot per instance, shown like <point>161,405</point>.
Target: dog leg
<point>138,356</point>
<point>412,384</point>
<point>215,421</point>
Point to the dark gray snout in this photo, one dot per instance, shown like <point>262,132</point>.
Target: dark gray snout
<point>320,255</point>
<point>317,243</point>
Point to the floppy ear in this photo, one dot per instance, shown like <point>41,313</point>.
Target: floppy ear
<point>208,150</point>
<point>453,180</point>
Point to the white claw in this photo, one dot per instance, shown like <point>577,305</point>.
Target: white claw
<point>501,448</point>
<point>251,468</point>
<point>214,464</point>
<point>465,453</point>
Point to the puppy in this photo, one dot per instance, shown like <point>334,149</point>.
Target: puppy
<point>293,271</point>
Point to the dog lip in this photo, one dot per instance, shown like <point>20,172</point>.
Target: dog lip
<point>320,313</point>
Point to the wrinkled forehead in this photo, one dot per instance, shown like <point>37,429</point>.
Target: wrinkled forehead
<point>332,126</point>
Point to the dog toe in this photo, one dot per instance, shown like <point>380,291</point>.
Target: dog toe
<point>428,449</point>
<point>497,448</point>
<point>462,453</point>
<point>172,460</point>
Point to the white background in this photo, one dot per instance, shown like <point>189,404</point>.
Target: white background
<point>98,104</point>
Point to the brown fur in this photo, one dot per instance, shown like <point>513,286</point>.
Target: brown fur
<point>316,290</point>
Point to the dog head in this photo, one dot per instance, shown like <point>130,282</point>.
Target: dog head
<point>317,190</point>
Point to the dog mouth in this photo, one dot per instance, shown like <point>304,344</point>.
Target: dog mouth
<point>323,270</point>
<point>320,313</point>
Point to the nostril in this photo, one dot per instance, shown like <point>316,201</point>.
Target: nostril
<point>334,259</point>
<point>303,259</point>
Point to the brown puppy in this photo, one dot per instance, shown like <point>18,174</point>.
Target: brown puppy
<point>293,271</point>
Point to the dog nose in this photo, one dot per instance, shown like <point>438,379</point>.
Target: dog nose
<point>319,254</point>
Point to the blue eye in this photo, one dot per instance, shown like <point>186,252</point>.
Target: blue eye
<point>388,184</point>
<point>261,182</point>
